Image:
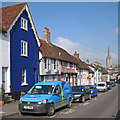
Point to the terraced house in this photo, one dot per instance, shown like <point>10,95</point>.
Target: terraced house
<point>55,62</point>
<point>19,45</point>
<point>85,74</point>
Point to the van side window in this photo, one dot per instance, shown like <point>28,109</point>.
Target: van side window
<point>58,88</point>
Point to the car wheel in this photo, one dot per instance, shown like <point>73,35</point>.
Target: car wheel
<point>51,110</point>
<point>83,99</point>
<point>90,97</point>
<point>69,103</point>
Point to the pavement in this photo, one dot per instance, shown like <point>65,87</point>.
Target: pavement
<point>9,109</point>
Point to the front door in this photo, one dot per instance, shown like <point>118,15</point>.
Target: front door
<point>4,78</point>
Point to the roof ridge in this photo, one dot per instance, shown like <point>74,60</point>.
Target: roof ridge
<point>15,4</point>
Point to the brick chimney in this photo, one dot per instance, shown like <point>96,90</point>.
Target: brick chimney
<point>46,34</point>
<point>76,55</point>
<point>87,61</point>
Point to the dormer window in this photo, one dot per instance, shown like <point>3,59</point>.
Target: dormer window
<point>24,24</point>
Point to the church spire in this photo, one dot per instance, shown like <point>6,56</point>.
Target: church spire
<point>108,51</point>
<point>108,60</point>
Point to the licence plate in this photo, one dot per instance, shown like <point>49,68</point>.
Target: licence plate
<point>28,107</point>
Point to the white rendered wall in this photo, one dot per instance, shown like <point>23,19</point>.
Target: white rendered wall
<point>5,58</point>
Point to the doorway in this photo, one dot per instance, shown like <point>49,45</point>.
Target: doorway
<point>4,78</point>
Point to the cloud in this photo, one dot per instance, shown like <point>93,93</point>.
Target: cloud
<point>117,30</point>
<point>66,44</point>
<point>84,53</point>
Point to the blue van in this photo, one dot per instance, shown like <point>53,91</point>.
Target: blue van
<point>46,97</point>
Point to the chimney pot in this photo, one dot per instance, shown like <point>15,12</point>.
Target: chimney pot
<point>76,55</point>
<point>46,34</point>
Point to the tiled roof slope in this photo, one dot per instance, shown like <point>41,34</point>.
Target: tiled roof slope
<point>53,51</point>
<point>86,67</point>
<point>80,64</point>
<point>103,70</point>
<point>9,14</point>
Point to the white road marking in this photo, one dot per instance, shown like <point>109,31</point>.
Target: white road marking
<point>75,107</point>
<point>79,104</point>
<point>86,103</point>
<point>67,112</point>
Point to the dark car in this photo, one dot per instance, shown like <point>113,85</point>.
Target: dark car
<point>113,84</point>
<point>81,93</point>
<point>108,85</point>
<point>93,90</point>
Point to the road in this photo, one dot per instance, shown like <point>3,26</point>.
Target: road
<point>105,105</point>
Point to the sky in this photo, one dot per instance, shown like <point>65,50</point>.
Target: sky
<point>86,27</point>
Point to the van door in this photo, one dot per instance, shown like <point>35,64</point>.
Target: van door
<point>65,93</point>
<point>57,97</point>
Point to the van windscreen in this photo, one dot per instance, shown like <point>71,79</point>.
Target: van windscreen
<point>41,89</point>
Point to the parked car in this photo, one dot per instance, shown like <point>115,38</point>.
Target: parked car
<point>93,90</point>
<point>108,85</point>
<point>102,86</point>
<point>113,83</point>
<point>81,93</point>
<point>46,97</point>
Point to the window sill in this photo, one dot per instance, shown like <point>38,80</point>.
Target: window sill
<point>24,56</point>
<point>24,29</point>
<point>24,84</point>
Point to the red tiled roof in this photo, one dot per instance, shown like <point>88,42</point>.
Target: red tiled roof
<point>86,67</point>
<point>53,51</point>
<point>103,70</point>
<point>9,14</point>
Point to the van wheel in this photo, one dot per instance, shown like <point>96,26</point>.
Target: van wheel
<point>83,99</point>
<point>90,97</point>
<point>51,110</point>
<point>69,103</point>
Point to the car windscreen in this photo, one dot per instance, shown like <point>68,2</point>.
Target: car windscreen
<point>108,83</point>
<point>41,89</point>
<point>91,87</point>
<point>77,89</point>
<point>101,84</point>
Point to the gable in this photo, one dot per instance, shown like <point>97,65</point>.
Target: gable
<point>10,15</point>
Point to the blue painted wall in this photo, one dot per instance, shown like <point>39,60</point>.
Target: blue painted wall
<point>17,62</point>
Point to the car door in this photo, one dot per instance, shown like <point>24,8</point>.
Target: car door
<point>57,97</point>
<point>85,92</point>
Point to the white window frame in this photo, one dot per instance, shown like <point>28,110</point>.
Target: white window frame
<point>23,25</point>
<point>73,66</point>
<point>23,82</point>
<point>24,48</point>
<point>49,64</point>
<point>68,65</point>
